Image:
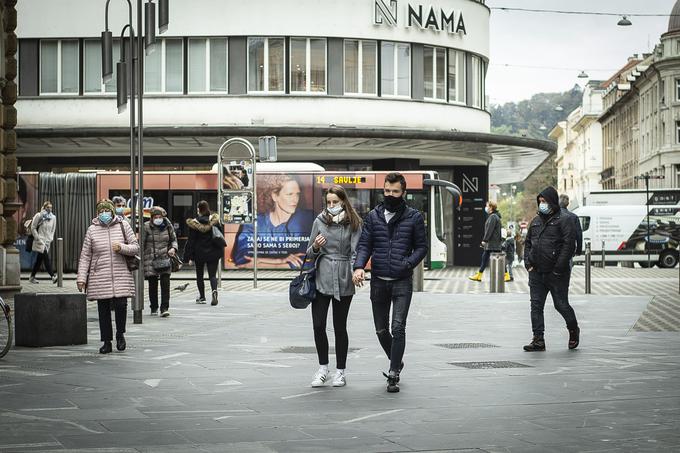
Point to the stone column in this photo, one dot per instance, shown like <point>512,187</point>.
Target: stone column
<point>10,266</point>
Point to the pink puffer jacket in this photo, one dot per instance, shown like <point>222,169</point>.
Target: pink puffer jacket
<point>103,270</point>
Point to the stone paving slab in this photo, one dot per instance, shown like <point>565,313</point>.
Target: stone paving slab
<point>215,379</point>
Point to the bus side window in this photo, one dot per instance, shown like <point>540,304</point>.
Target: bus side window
<point>585,223</point>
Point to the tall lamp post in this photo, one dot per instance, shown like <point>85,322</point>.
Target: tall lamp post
<point>132,75</point>
<point>646,177</point>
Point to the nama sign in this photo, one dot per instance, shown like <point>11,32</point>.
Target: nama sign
<point>437,19</point>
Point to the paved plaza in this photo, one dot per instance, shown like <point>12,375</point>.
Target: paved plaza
<point>235,377</point>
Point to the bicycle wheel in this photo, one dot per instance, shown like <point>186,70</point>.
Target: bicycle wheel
<point>5,329</point>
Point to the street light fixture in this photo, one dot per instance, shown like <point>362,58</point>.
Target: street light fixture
<point>150,31</point>
<point>163,16</point>
<point>624,22</point>
<point>583,75</point>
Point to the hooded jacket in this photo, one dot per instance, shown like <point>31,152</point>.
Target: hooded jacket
<point>199,246</point>
<point>163,238</point>
<point>42,229</point>
<point>551,238</point>
<point>492,232</point>
<point>394,248</point>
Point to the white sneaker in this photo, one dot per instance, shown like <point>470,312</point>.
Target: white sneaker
<point>320,378</point>
<point>54,279</point>
<point>33,280</point>
<point>165,314</point>
<point>339,379</point>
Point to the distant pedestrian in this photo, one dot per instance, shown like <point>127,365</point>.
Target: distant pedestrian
<point>491,241</point>
<point>332,244</point>
<point>564,203</point>
<point>120,205</point>
<point>202,250</point>
<point>508,248</point>
<point>549,246</point>
<point>395,240</point>
<point>103,272</point>
<point>43,225</point>
<point>519,246</point>
<point>160,244</point>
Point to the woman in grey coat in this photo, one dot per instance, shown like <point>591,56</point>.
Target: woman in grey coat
<point>160,243</point>
<point>332,244</point>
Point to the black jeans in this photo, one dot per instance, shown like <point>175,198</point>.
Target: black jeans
<point>165,292</point>
<point>212,274</point>
<point>384,294</point>
<point>319,316</point>
<point>104,306</point>
<point>486,255</point>
<point>42,258</point>
<point>542,283</point>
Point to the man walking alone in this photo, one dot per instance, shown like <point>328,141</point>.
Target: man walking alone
<point>394,238</point>
<point>549,246</point>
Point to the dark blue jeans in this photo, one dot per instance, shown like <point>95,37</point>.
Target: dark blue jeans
<point>486,255</point>
<point>542,283</point>
<point>395,294</point>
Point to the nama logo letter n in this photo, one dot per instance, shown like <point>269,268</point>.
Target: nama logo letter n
<point>385,14</point>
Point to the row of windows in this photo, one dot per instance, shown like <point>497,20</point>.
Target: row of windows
<point>370,68</point>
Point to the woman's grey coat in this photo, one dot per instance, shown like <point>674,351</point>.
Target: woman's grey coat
<point>164,238</point>
<point>335,259</point>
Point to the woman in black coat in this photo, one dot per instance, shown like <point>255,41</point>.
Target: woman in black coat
<point>202,250</point>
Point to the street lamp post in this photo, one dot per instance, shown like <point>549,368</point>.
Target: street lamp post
<point>646,177</point>
<point>135,81</point>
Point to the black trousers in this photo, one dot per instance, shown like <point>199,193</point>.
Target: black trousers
<point>42,258</point>
<point>212,275</point>
<point>165,292</point>
<point>395,294</point>
<point>542,283</point>
<point>319,316</point>
<point>104,306</point>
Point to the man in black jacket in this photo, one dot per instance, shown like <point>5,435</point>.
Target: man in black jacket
<point>549,247</point>
<point>394,238</point>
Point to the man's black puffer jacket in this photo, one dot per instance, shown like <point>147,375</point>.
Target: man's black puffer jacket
<point>394,248</point>
<point>551,238</point>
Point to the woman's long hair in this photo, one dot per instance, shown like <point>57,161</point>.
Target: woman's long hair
<point>351,216</point>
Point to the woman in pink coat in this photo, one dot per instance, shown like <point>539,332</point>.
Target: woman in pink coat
<point>103,273</point>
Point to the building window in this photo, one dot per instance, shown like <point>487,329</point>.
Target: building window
<point>677,132</point>
<point>207,65</point>
<point>677,90</point>
<point>307,65</point>
<point>477,82</point>
<point>435,72</point>
<point>59,67</point>
<point>266,73</point>
<point>92,67</point>
<point>163,68</point>
<point>456,76</point>
<point>662,91</point>
<point>395,65</point>
<point>361,67</point>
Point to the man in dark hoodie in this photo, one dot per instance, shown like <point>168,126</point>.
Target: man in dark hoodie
<point>394,238</point>
<point>549,246</point>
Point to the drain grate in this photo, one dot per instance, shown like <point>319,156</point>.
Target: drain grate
<point>486,365</point>
<point>309,350</point>
<point>466,345</point>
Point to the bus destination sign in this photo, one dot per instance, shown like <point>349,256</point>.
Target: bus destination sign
<point>340,180</point>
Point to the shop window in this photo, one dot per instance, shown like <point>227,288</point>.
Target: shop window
<point>395,65</point>
<point>92,67</point>
<point>266,73</point>
<point>207,65</point>
<point>163,68</point>
<point>361,67</point>
<point>307,65</point>
<point>456,76</point>
<point>434,72</point>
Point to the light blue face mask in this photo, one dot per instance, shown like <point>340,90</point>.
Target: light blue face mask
<point>335,210</point>
<point>105,217</point>
<point>158,222</point>
<point>544,208</point>
<point>119,211</point>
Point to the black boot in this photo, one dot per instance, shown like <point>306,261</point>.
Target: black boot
<point>574,335</point>
<point>120,342</point>
<point>392,381</point>
<point>106,348</point>
<point>537,344</point>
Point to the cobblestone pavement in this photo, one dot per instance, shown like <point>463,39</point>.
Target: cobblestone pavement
<point>662,314</point>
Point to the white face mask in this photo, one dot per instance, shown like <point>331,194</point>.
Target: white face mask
<point>335,210</point>
<point>158,222</point>
<point>544,208</point>
<point>487,210</point>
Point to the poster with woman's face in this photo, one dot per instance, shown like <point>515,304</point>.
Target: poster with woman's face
<point>284,221</point>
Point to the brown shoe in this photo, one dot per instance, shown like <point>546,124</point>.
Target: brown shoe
<point>574,335</point>
<point>537,344</point>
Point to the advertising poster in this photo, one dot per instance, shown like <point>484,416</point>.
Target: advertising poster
<point>285,214</point>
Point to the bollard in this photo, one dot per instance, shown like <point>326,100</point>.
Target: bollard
<point>604,260</point>
<point>419,277</point>
<point>60,262</point>
<point>497,264</point>
<point>587,266</point>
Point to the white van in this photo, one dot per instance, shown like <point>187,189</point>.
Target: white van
<point>623,230</point>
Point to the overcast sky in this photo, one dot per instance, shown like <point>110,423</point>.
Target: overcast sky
<point>592,43</point>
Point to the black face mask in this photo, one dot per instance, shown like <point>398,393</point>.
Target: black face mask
<point>393,204</point>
